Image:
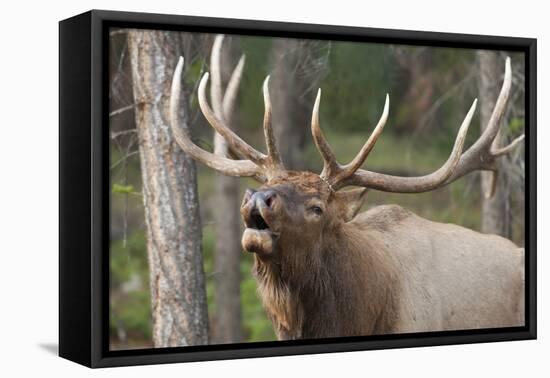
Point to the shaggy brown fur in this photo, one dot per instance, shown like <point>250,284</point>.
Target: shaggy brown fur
<point>330,297</point>
<point>331,287</point>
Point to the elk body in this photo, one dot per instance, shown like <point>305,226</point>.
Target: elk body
<point>323,270</point>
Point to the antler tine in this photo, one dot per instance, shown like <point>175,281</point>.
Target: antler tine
<point>483,153</point>
<point>330,166</point>
<point>226,141</point>
<point>389,183</point>
<point>491,131</point>
<point>334,173</point>
<point>223,102</point>
<point>358,161</point>
<point>219,163</point>
<point>233,140</point>
<point>272,151</point>
<point>504,150</point>
<point>487,139</point>
<point>231,90</point>
<point>216,91</point>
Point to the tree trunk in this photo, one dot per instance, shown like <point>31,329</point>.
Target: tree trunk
<point>293,87</point>
<point>226,326</point>
<point>495,210</point>
<point>177,282</point>
<point>419,86</point>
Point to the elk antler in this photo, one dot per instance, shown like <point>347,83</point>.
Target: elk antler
<point>332,171</point>
<point>223,102</point>
<point>252,162</point>
<point>480,156</point>
<point>219,163</point>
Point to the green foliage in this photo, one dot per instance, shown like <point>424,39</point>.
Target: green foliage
<point>208,261</point>
<point>391,154</point>
<point>194,70</point>
<point>355,88</point>
<point>123,189</point>
<point>130,301</point>
<point>256,325</point>
<point>132,313</point>
<point>516,126</point>
<point>250,101</point>
<point>127,260</point>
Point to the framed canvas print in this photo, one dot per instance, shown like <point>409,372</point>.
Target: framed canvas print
<point>234,188</point>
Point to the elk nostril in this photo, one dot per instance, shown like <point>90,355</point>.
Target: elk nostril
<point>269,199</point>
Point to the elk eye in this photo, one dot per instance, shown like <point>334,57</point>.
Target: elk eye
<point>316,210</point>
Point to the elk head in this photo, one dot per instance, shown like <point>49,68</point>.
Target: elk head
<point>293,210</point>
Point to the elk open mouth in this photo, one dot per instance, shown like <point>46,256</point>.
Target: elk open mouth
<point>258,236</point>
<point>256,221</point>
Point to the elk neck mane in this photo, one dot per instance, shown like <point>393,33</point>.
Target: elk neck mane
<point>316,293</point>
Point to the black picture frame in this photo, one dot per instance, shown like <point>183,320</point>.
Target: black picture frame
<point>84,188</point>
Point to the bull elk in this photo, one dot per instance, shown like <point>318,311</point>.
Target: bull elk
<point>323,270</point>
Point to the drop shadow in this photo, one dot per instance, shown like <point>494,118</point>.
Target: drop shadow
<point>51,348</point>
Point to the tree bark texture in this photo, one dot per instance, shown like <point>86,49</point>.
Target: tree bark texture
<point>496,214</point>
<point>419,85</point>
<point>293,89</point>
<point>226,322</point>
<point>178,292</point>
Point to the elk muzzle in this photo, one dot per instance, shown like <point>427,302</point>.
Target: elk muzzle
<point>257,211</point>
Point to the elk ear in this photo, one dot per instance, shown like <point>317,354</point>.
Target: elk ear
<point>351,202</point>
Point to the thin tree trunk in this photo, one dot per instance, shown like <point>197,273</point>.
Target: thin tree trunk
<point>226,327</point>
<point>419,87</point>
<point>495,210</point>
<point>293,87</point>
<point>178,292</point>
